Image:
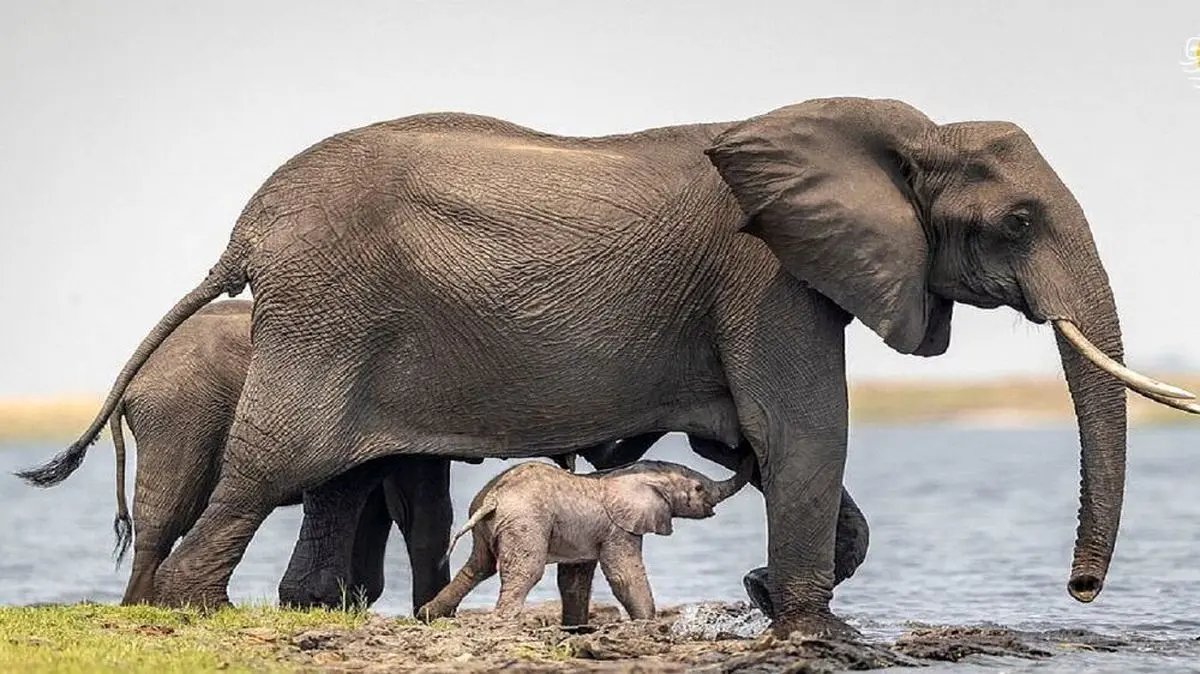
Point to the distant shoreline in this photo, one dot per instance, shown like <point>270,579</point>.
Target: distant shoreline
<point>1026,402</point>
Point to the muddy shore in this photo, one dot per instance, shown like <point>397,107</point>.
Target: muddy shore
<point>703,638</point>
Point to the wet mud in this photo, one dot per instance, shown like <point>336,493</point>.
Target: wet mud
<point>722,638</point>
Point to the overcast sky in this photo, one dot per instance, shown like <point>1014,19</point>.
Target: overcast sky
<point>132,133</point>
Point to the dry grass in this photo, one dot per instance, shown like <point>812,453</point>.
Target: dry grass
<point>998,401</point>
<point>60,418</point>
<point>1018,401</point>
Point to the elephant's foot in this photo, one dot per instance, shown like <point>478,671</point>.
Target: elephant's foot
<point>820,624</point>
<point>172,591</point>
<point>434,610</point>
<point>756,582</point>
<point>323,590</point>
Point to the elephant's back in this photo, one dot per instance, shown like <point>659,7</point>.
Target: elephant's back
<point>451,165</point>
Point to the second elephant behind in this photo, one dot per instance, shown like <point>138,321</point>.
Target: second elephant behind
<point>180,408</point>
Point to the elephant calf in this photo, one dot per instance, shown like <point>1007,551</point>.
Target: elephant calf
<point>535,514</point>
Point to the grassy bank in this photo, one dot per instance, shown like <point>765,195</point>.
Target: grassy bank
<point>713,635</point>
<point>1016,402</point>
<point>991,402</point>
<point>103,638</point>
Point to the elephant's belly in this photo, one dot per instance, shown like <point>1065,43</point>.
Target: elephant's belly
<point>572,545</point>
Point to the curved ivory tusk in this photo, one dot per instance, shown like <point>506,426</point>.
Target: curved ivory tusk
<point>1139,382</point>
<point>1192,408</point>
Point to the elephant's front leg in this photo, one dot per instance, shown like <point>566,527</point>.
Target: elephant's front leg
<point>802,485</point>
<point>620,453</point>
<point>622,565</point>
<point>370,549</point>
<point>787,376</point>
<point>320,572</point>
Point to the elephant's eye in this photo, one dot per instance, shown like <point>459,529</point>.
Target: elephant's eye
<point>1018,223</point>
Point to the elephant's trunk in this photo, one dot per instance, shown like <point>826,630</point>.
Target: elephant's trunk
<point>727,488</point>
<point>1099,401</point>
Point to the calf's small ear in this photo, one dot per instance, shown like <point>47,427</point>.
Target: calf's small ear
<point>636,506</point>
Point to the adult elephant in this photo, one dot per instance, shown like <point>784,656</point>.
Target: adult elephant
<point>454,284</point>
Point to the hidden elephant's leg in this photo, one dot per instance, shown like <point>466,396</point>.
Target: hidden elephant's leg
<point>575,591</point>
<point>320,571</point>
<point>418,498</point>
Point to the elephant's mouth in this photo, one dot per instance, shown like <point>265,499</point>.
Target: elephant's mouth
<point>1027,307</point>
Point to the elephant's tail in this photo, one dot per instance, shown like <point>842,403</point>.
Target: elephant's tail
<point>228,276</point>
<point>122,523</point>
<point>486,508</point>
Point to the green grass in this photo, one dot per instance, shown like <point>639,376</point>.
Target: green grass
<point>106,638</point>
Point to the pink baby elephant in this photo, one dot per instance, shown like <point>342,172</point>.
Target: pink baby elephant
<point>535,514</point>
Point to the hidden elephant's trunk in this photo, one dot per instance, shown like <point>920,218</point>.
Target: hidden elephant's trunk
<point>1100,403</point>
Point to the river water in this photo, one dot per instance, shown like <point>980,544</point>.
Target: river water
<point>968,526</point>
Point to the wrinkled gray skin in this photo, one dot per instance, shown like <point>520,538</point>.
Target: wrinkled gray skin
<point>851,539</point>
<point>458,285</point>
<point>535,514</point>
<point>180,407</point>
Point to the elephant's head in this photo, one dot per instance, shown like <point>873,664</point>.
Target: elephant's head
<point>894,218</point>
<point>644,496</point>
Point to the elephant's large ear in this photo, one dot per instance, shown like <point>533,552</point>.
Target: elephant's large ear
<point>825,184</point>
<point>635,505</point>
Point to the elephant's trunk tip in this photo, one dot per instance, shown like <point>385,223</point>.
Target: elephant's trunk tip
<point>1084,587</point>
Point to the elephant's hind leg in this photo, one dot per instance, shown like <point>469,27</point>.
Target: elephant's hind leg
<point>146,560</point>
<point>197,572</point>
<point>165,507</point>
<point>480,567</point>
<point>256,477</point>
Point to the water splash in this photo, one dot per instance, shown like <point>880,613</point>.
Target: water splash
<point>720,621</point>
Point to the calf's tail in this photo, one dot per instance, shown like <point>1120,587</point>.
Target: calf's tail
<point>228,276</point>
<point>487,508</point>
